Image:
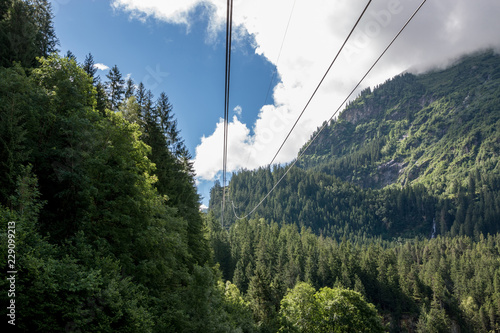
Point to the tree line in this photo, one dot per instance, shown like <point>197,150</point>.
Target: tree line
<point>339,209</point>
<point>417,285</point>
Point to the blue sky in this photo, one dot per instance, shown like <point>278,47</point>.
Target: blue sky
<point>177,46</point>
<point>170,58</point>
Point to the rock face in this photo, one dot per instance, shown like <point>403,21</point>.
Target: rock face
<point>356,115</point>
<point>416,128</point>
<point>389,172</point>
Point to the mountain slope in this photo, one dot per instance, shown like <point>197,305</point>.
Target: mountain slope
<point>432,129</point>
<point>418,155</point>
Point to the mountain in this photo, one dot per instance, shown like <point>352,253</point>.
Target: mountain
<point>418,155</point>
<point>432,128</point>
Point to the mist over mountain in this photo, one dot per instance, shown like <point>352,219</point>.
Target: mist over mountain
<point>415,154</point>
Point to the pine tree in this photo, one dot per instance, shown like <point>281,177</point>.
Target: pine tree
<point>15,111</point>
<point>140,95</point>
<point>163,111</point>
<point>27,32</point>
<point>89,68</point>
<point>176,142</point>
<point>46,37</point>
<point>18,36</point>
<point>115,88</point>
<point>70,55</point>
<point>130,88</point>
<point>149,106</point>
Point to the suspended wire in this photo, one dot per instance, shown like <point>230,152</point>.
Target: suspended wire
<point>277,60</point>
<point>229,25</point>
<point>279,53</point>
<point>334,114</point>
<point>322,79</point>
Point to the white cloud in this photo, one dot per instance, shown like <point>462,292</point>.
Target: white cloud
<point>237,110</point>
<point>208,162</point>
<point>101,67</point>
<point>441,31</point>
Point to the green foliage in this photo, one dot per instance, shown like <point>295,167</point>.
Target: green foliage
<point>17,96</point>
<point>415,283</point>
<point>115,88</point>
<point>417,156</point>
<point>343,310</point>
<point>108,240</point>
<point>300,310</point>
<point>434,321</point>
<point>239,311</point>
<point>60,292</point>
<point>26,32</point>
<point>328,310</point>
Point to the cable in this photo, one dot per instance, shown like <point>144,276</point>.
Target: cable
<point>229,25</point>
<point>279,53</point>
<point>322,79</point>
<point>277,61</point>
<point>338,109</point>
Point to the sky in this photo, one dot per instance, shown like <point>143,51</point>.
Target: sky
<point>281,50</point>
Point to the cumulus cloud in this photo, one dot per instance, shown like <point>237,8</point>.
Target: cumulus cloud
<point>245,150</point>
<point>101,67</point>
<point>237,110</point>
<point>441,31</point>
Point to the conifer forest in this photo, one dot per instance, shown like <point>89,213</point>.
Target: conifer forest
<point>389,222</point>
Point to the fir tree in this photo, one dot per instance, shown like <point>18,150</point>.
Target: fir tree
<point>129,88</point>
<point>115,88</point>
<point>89,68</point>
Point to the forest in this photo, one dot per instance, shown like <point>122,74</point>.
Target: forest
<point>99,186</point>
<point>389,224</point>
<point>443,284</point>
<point>418,153</point>
<point>397,199</point>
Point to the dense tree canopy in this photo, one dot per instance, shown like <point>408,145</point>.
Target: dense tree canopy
<point>328,310</point>
<point>414,283</point>
<point>109,237</point>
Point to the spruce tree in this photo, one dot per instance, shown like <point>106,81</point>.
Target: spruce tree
<point>140,95</point>
<point>70,55</point>
<point>129,88</point>
<point>43,17</point>
<point>18,36</point>
<point>164,112</point>
<point>27,32</point>
<point>89,68</point>
<point>101,98</point>
<point>115,88</point>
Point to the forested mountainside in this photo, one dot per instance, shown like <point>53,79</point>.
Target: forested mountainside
<point>433,129</point>
<point>418,155</point>
<point>99,211</point>
<point>398,200</point>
